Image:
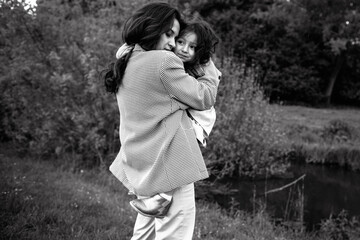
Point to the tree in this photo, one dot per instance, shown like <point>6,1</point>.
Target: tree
<point>301,46</point>
<point>339,21</point>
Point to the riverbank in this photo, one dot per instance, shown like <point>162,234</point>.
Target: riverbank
<point>47,200</point>
<point>328,136</point>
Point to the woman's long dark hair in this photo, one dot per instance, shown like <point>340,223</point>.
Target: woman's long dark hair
<point>206,41</point>
<point>144,28</point>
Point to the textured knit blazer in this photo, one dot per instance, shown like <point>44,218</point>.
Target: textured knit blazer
<point>159,151</point>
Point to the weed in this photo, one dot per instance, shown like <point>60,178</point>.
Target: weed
<point>338,131</point>
<point>340,227</point>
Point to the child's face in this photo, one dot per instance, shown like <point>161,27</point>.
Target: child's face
<point>185,46</point>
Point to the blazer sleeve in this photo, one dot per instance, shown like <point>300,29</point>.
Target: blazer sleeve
<point>198,93</point>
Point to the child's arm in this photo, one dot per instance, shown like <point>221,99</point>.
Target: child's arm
<point>203,121</point>
<point>189,92</point>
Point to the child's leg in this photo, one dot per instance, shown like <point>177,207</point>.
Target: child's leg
<point>155,206</point>
<point>167,195</point>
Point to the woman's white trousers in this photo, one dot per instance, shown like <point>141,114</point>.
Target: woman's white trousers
<point>178,224</point>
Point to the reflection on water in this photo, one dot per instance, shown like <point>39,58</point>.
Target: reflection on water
<point>326,191</point>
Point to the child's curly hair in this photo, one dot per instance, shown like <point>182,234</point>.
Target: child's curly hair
<point>206,40</point>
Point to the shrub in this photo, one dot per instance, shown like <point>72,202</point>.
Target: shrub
<point>301,133</point>
<point>341,227</point>
<point>53,103</point>
<point>339,155</point>
<point>51,100</point>
<point>245,140</point>
<point>338,131</point>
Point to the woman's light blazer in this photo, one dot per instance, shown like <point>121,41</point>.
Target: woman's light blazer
<point>159,151</point>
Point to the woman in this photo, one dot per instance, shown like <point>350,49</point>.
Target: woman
<point>159,151</point>
<point>194,46</point>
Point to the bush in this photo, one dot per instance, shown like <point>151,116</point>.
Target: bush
<point>53,103</point>
<point>341,227</point>
<point>302,133</point>
<point>338,131</point>
<point>245,140</point>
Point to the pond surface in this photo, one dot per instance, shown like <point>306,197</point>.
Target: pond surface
<point>324,191</point>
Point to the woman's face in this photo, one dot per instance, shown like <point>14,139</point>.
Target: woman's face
<point>167,39</point>
<point>185,47</point>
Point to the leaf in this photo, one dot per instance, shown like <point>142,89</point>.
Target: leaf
<point>338,45</point>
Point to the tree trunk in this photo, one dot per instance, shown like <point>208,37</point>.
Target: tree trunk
<point>329,89</point>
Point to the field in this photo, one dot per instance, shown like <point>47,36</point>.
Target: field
<point>322,136</point>
<point>46,199</point>
<point>316,118</point>
<point>41,200</point>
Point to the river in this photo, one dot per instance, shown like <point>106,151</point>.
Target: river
<point>324,191</point>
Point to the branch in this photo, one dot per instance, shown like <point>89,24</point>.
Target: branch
<point>286,186</point>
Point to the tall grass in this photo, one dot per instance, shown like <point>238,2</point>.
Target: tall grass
<point>75,117</point>
<point>245,140</point>
<point>336,143</point>
<point>41,201</point>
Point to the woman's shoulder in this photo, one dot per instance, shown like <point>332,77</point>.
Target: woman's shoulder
<point>162,54</point>
<point>162,58</point>
<point>159,54</point>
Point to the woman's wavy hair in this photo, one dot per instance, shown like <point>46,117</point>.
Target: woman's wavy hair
<point>144,28</point>
<point>206,41</point>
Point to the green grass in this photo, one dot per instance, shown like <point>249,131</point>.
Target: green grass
<point>42,200</point>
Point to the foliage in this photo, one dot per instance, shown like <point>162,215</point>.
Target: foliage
<point>54,103</point>
<point>52,98</point>
<point>296,45</point>
<point>339,131</point>
<point>336,131</point>
<point>245,140</point>
<point>341,227</point>
<point>336,143</point>
<point>41,201</point>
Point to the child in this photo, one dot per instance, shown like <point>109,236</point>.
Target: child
<point>194,47</point>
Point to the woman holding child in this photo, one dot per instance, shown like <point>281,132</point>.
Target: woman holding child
<point>159,152</point>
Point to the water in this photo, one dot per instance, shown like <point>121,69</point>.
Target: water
<point>326,191</point>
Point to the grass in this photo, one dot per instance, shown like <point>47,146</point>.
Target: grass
<point>329,136</point>
<point>49,200</point>
<point>315,118</point>
<point>43,200</point>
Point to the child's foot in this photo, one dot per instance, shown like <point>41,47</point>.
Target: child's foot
<point>155,206</point>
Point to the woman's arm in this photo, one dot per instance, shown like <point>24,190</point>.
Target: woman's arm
<point>198,93</point>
